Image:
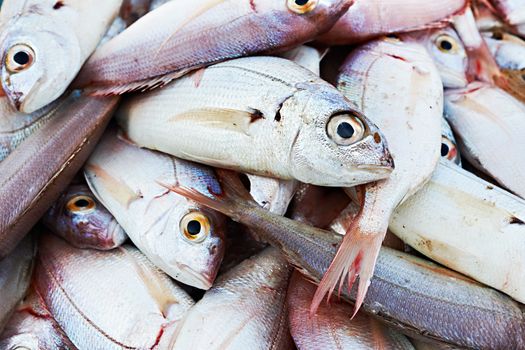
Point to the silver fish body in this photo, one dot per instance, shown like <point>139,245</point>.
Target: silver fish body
<point>261,115</point>
<point>182,238</point>
<point>38,65</point>
<point>108,300</point>
<point>33,328</point>
<point>487,120</point>
<point>15,277</point>
<point>245,309</point>
<point>79,218</point>
<point>330,328</point>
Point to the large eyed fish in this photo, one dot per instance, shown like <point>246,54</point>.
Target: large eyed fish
<point>261,115</point>
<point>43,44</point>
<point>181,36</point>
<point>398,85</point>
<point>79,218</point>
<point>182,238</point>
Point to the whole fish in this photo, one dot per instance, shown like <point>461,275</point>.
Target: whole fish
<point>449,146</point>
<point>33,328</point>
<point>38,65</point>
<point>411,294</point>
<point>487,120</point>
<point>108,300</point>
<point>181,237</point>
<point>475,228</point>
<point>186,35</point>
<point>397,84</point>
<point>448,53</point>
<point>330,328</point>
<point>367,19</point>
<point>245,309</point>
<point>16,126</point>
<point>79,218</point>
<point>15,277</point>
<point>512,11</point>
<point>40,169</point>
<point>226,115</point>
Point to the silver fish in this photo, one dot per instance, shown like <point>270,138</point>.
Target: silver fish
<point>79,218</point>
<point>226,115</point>
<point>38,65</point>
<point>181,237</point>
<point>508,50</point>
<point>245,309</point>
<point>108,300</point>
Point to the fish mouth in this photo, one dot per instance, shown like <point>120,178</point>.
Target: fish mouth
<point>201,280</point>
<point>454,80</point>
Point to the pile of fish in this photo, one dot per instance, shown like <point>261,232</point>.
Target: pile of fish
<point>262,174</point>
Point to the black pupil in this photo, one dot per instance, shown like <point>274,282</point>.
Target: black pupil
<point>21,58</point>
<point>446,45</point>
<point>345,130</point>
<point>82,203</point>
<point>301,2</point>
<point>194,227</point>
<point>444,150</point>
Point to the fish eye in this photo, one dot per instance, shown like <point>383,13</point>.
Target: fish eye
<point>447,44</point>
<point>195,227</point>
<point>81,204</point>
<point>345,129</point>
<point>19,58</point>
<point>301,6</point>
<point>497,35</point>
<point>448,149</point>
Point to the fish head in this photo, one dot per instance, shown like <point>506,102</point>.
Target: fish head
<point>84,220</point>
<point>37,63</point>
<point>449,55</point>
<point>335,145</point>
<point>200,244</point>
<point>449,148</point>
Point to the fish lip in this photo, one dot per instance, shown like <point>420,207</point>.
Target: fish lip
<point>115,232</point>
<point>201,280</point>
<point>454,80</point>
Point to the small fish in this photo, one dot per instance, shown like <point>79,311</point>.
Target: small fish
<point>41,168</point>
<point>397,84</point>
<point>245,309</point>
<point>225,115</point>
<point>330,328</point>
<point>181,237</point>
<point>79,218</point>
<point>508,50</point>
<point>368,19</point>
<point>512,11</point>
<point>38,65</point>
<point>449,146</point>
<point>15,276</point>
<point>448,53</point>
<point>412,294</point>
<point>490,127</point>
<point>207,32</point>
<point>33,328</point>
<point>109,300</point>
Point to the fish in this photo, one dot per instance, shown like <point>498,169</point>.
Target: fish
<point>40,169</point>
<point>33,328</point>
<point>512,11</point>
<point>207,32</point>
<point>476,228</point>
<point>413,295</point>
<point>449,145</point>
<point>487,120</point>
<point>507,49</point>
<point>16,126</point>
<point>182,238</point>
<point>330,329</point>
<point>245,309</point>
<point>420,345</point>
<point>38,66</point>
<point>369,19</point>
<point>272,194</point>
<point>225,116</point>
<point>447,51</point>
<point>397,84</point>
<point>80,219</point>
<point>15,277</point>
<point>108,300</point>
<point>307,57</point>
